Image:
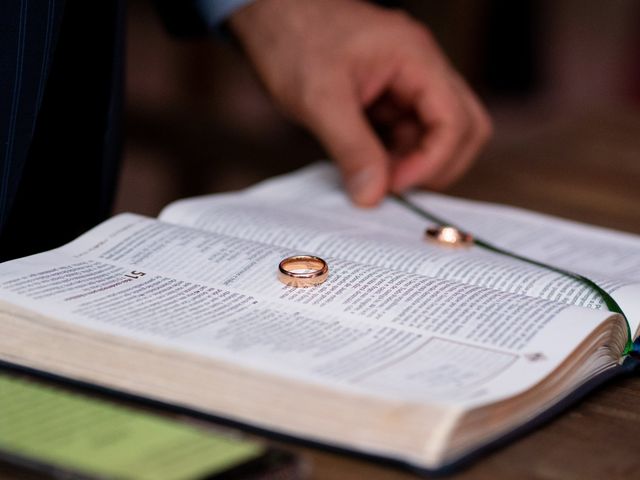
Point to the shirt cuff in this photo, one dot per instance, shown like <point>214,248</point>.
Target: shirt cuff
<point>215,12</point>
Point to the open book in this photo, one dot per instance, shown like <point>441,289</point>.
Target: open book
<point>409,351</point>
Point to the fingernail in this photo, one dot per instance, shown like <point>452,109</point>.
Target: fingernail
<point>357,185</point>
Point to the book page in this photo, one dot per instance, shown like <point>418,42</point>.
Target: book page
<point>308,210</point>
<point>366,329</point>
<point>608,257</point>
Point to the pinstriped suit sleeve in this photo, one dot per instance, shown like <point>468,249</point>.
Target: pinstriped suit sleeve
<point>28,32</point>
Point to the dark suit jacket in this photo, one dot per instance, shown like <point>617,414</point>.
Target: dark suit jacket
<point>60,99</point>
<point>61,84</point>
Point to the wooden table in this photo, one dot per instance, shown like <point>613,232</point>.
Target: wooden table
<point>587,169</point>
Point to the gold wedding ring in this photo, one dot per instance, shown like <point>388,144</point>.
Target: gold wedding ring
<point>303,271</point>
<point>449,236</point>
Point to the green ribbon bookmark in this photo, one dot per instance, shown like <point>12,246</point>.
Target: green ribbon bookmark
<point>609,301</point>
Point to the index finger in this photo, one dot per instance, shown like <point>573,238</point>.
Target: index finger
<point>339,122</point>
<point>445,122</point>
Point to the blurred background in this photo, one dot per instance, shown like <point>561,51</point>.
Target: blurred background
<point>561,79</point>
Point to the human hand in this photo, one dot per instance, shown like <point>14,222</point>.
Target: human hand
<point>372,85</point>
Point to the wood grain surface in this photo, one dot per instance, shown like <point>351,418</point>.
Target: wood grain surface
<point>588,169</point>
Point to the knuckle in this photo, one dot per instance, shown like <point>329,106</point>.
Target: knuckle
<point>464,123</point>
<point>484,128</point>
<point>400,16</point>
<point>411,27</point>
<point>422,35</point>
<point>456,121</point>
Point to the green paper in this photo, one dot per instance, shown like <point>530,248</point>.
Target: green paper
<point>90,436</point>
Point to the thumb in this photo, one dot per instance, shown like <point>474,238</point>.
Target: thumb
<point>341,126</point>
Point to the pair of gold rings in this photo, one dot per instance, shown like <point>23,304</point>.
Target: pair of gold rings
<point>308,270</point>
<point>303,271</point>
